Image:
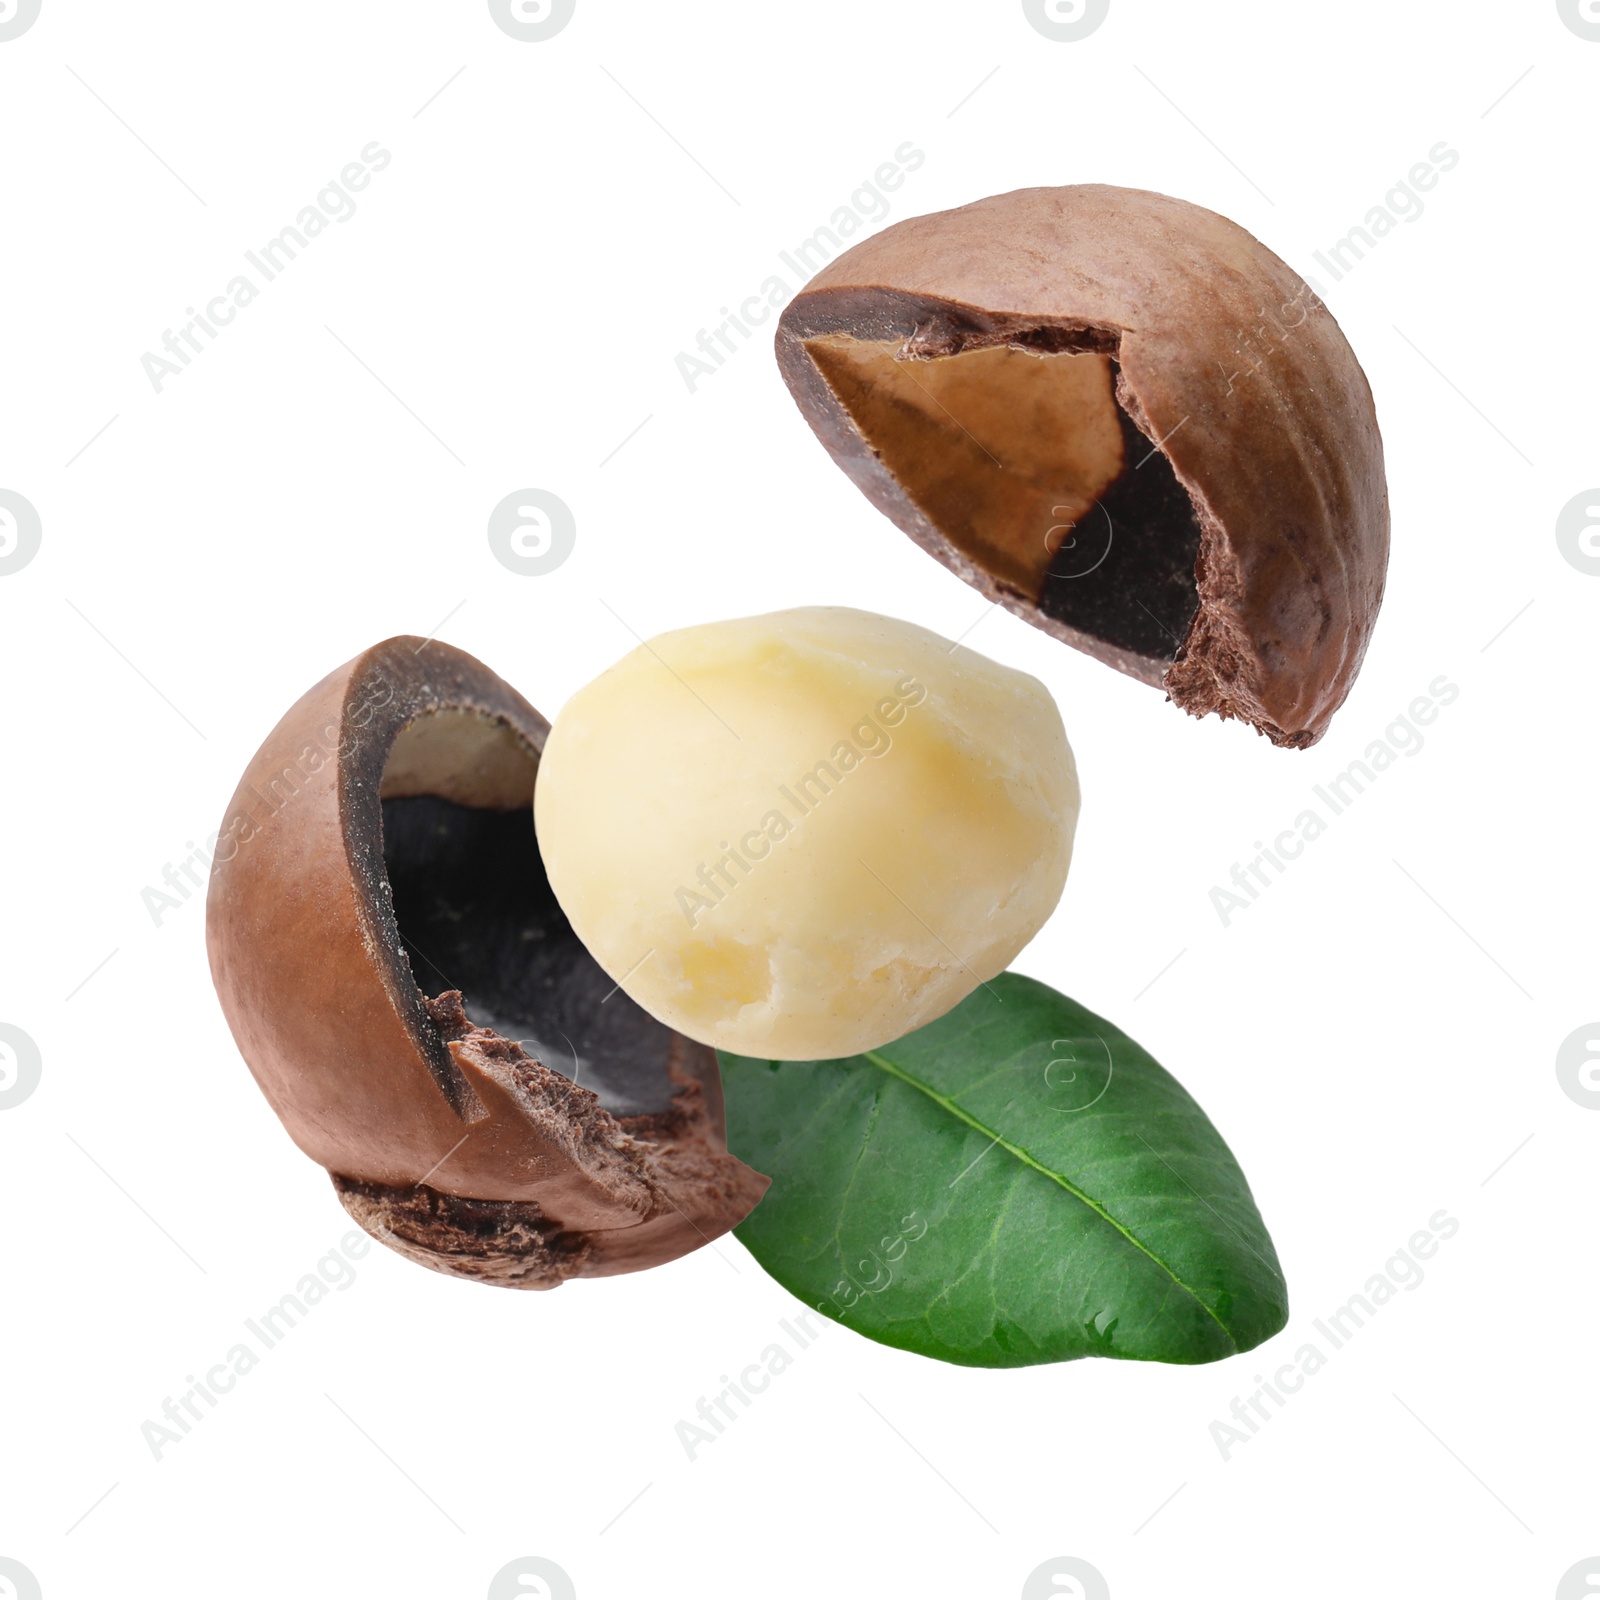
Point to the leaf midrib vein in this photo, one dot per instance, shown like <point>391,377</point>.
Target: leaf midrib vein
<point>883,1063</point>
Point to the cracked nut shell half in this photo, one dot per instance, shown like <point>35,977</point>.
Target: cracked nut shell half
<point>419,1013</point>
<point>1126,420</point>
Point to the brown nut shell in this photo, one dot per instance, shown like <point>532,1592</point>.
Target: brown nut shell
<point>385,825</point>
<point>1126,420</point>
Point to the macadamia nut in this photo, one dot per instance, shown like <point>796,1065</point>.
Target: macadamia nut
<point>803,835</point>
<point>1124,419</point>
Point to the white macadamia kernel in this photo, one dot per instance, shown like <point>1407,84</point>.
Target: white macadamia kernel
<point>803,835</point>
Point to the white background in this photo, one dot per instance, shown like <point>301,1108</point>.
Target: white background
<point>1376,1036</point>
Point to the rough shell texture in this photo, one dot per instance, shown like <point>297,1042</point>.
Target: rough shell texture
<point>447,1141</point>
<point>1226,361</point>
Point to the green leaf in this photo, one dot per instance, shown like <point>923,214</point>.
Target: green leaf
<point>1017,1182</point>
